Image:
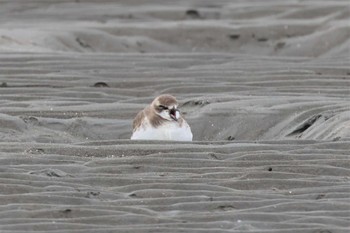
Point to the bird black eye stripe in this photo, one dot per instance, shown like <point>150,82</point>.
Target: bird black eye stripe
<point>162,107</point>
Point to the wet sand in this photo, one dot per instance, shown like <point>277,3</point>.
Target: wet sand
<point>265,88</point>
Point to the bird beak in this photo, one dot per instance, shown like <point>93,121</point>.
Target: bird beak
<point>174,114</point>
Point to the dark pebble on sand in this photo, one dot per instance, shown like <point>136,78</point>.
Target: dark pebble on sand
<point>262,39</point>
<point>234,36</point>
<point>194,14</point>
<point>280,45</point>
<point>101,84</point>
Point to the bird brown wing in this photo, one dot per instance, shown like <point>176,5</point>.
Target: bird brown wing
<point>138,120</point>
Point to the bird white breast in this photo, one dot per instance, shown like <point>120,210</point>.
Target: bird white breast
<point>166,131</point>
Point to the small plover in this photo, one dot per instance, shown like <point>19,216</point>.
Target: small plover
<point>161,121</point>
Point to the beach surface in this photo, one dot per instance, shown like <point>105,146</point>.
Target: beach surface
<point>265,87</point>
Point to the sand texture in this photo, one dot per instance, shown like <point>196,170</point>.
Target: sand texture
<point>265,87</point>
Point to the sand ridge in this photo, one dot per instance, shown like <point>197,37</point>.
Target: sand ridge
<point>264,86</point>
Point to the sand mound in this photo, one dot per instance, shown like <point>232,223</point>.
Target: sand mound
<point>264,86</point>
<point>311,28</point>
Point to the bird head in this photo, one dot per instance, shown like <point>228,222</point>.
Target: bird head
<point>166,107</point>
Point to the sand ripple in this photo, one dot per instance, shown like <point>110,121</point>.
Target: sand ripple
<point>237,187</point>
<point>224,97</point>
<point>265,88</point>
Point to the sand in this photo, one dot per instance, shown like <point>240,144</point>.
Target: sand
<point>265,88</point>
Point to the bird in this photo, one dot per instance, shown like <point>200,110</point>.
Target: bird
<point>161,120</point>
